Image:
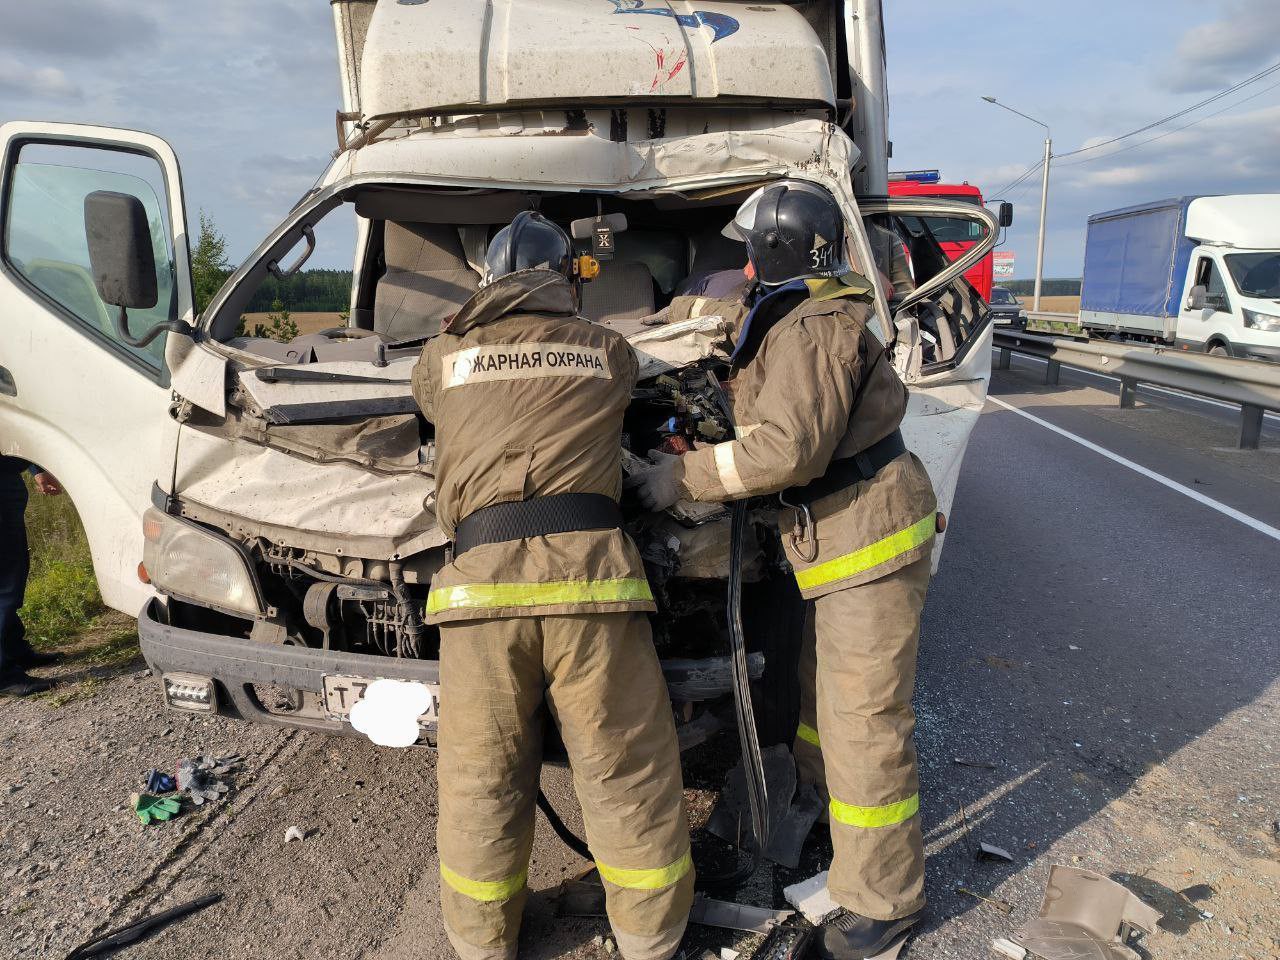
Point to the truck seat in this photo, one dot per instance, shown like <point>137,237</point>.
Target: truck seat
<point>622,292</point>
<point>427,279</point>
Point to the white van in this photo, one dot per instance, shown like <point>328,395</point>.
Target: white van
<point>281,494</point>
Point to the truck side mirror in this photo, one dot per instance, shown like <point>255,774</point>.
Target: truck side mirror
<point>1006,213</point>
<point>120,251</point>
<point>1198,297</point>
<point>123,260</point>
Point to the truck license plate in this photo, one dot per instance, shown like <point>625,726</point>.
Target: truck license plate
<point>342,693</point>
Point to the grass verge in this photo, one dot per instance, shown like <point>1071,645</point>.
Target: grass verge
<point>64,610</point>
<point>62,593</point>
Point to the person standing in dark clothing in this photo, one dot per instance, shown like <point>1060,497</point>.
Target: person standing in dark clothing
<point>16,654</point>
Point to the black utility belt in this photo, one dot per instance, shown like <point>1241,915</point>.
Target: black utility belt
<point>558,513</point>
<point>845,473</point>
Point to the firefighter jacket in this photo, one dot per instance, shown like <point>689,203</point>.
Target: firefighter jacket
<point>527,399</point>
<point>810,384</point>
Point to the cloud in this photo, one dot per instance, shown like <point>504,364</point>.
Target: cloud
<point>41,82</point>
<point>83,28</point>
<point>1226,50</point>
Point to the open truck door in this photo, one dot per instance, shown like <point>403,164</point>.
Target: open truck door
<point>76,396</point>
<point>949,376</point>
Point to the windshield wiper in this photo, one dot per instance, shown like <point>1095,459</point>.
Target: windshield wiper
<point>293,375</point>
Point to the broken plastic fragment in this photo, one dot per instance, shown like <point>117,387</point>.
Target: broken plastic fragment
<point>989,851</point>
<point>1085,916</point>
<point>811,898</point>
<point>292,834</point>
<point>1007,948</point>
<point>736,916</point>
<point>389,711</point>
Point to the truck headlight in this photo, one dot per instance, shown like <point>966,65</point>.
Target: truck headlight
<point>1267,322</point>
<point>187,561</point>
<point>1022,314</point>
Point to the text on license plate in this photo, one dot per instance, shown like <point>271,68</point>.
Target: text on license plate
<point>342,693</point>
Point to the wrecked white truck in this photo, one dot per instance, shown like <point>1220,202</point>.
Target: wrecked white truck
<point>266,508</point>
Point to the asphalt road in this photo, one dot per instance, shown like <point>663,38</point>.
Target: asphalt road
<point>1106,640</point>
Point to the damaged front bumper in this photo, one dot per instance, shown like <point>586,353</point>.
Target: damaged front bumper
<point>241,670</point>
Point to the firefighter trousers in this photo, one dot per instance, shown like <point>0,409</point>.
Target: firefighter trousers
<point>857,675</point>
<point>598,676</point>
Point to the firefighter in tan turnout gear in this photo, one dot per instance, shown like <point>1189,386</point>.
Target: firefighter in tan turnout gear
<point>817,406</point>
<point>542,609</point>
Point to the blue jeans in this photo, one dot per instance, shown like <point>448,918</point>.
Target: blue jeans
<point>15,564</point>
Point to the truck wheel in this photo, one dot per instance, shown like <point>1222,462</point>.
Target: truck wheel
<point>1218,350</point>
<point>774,612</point>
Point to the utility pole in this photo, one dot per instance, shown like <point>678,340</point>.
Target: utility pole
<point>1044,193</point>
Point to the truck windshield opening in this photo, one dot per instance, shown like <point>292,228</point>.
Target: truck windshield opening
<point>1256,274</point>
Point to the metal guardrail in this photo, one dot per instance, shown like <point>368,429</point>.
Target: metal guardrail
<point>1253,384</point>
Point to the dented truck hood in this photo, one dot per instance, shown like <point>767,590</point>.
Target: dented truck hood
<point>354,499</point>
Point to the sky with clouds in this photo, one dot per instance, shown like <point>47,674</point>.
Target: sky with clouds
<point>246,90</point>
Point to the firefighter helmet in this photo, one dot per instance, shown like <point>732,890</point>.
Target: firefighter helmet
<point>793,231</point>
<point>529,242</point>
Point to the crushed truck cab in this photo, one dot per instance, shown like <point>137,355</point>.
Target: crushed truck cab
<point>280,496</point>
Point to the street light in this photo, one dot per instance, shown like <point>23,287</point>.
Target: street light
<point>1044,191</point>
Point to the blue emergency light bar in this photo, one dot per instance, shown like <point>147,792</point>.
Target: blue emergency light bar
<point>918,176</point>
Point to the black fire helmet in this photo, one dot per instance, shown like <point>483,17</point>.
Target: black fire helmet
<point>529,242</point>
<point>793,231</point>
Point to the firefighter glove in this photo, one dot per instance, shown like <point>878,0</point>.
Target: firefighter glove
<point>658,486</point>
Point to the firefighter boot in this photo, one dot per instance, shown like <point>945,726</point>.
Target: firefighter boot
<point>851,936</point>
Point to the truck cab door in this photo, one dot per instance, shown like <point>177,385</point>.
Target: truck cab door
<point>927,290</point>
<point>75,398</point>
<point>1208,322</point>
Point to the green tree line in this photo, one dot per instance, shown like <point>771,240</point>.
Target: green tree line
<point>1051,288</point>
<point>309,291</point>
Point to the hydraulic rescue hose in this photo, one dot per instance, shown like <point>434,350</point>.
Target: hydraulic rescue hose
<point>756,789</point>
<point>752,762</point>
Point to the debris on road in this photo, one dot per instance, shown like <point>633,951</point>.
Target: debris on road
<point>792,811</point>
<point>989,852</point>
<point>201,778</point>
<point>115,940</point>
<point>736,916</point>
<point>149,807</point>
<point>581,897</point>
<point>1001,905</point>
<point>1007,948</point>
<point>786,943</point>
<point>974,763</point>
<point>1084,914</point>
<point>159,782</point>
<point>292,834</point>
<point>811,898</point>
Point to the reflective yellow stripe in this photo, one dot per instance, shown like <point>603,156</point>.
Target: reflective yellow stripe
<point>727,468</point>
<point>808,734</point>
<point>486,891</point>
<point>860,561</point>
<point>473,595</point>
<point>868,817</point>
<point>647,879</point>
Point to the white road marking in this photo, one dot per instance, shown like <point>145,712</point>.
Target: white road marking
<point>1146,386</point>
<point>1263,528</point>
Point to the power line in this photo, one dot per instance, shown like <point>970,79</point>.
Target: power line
<point>1181,113</point>
<point>1010,186</point>
<point>1169,133</point>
